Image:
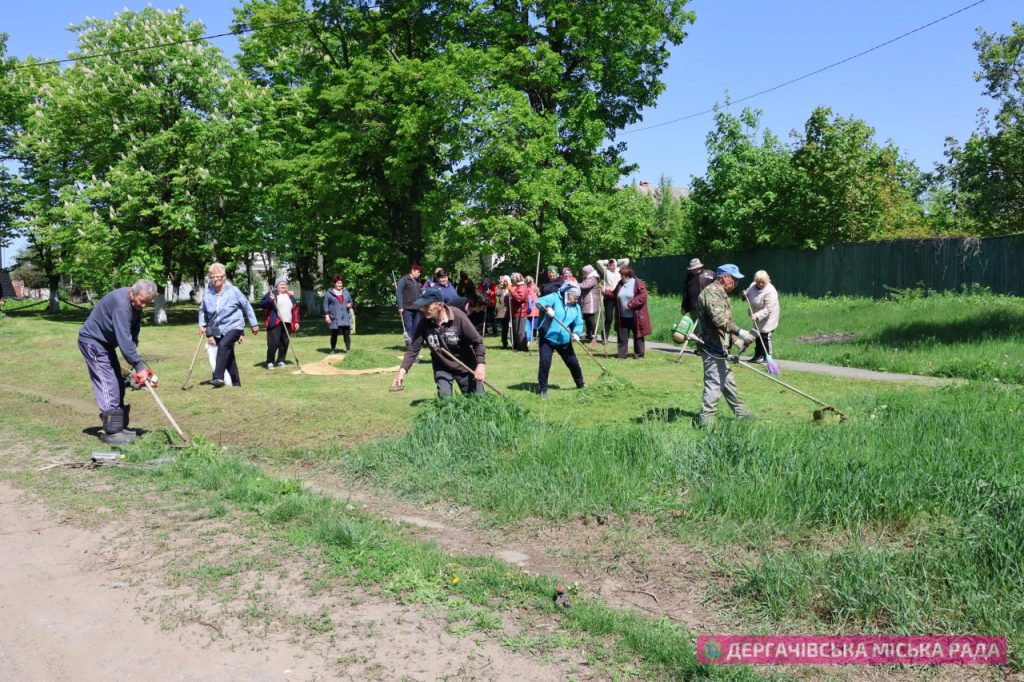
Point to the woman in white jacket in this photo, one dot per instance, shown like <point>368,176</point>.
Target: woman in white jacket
<point>764,310</point>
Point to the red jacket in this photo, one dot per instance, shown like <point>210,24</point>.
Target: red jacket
<point>638,304</point>
<point>517,300</point>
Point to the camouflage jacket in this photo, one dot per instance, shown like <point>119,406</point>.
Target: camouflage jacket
<point>714,311</point>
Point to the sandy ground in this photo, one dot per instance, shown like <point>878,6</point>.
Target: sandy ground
<point>73,606</point>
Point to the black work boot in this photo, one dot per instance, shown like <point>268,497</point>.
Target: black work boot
<point>113,428</point>
<point>127,419</point>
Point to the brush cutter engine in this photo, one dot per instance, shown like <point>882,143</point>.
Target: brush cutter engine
<point>682,329</point>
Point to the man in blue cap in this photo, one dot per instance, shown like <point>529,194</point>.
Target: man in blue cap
<point>456,348</point>
<point>714,312</point>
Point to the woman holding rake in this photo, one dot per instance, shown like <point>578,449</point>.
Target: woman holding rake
<point>763,302</point>
<point>557,338</point>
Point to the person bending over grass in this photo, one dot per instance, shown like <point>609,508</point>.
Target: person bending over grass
<point>456,348</point>
<point>554,337</point>
<point>115,323</point>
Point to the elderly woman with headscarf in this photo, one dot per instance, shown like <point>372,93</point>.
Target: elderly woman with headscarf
<point>562,324</point>
<point>503,307</point>
<point>630,296</point>
<point>338,313</point>
<point>221,322</point>
<point>519,296</point>
<point>590,300</point>
<point>764,310</point>
<point>281,309</point>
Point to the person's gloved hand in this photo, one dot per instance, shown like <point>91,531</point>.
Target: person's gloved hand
<point>575,337</point>
<point>550,312</point>
<point>139,379</point>
<point>746,336</point>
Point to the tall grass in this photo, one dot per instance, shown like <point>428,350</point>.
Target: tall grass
<point>972,334</point>
<point>933,481</point>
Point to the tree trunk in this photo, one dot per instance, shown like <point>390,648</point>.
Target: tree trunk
<point>54,283</point>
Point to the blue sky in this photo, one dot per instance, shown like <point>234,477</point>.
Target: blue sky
<point>915,92</point>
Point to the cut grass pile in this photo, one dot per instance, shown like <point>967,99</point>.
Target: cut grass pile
<point>363,358</point>
<point>909,518</point>
<point>969,335</point>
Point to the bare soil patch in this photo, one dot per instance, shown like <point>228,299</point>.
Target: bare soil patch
<point>165,594</point>
<point>822,338</point>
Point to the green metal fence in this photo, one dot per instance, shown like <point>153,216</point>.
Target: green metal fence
<point>869,269</point>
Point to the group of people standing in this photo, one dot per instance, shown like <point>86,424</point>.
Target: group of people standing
<point>451,321</point>
<point>610,291</point>
<point>557,312</point>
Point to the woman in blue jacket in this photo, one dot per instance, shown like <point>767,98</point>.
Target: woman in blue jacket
<point>338,313</point>
<point>561,306</point>
<point>221,321</point>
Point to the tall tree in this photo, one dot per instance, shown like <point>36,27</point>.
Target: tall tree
<point>139,156</point>
<point>986,173</point>
<point>479,126</point>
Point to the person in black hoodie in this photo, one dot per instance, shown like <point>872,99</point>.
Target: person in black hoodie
<point>409,290</point>
<point>449,334</point>
<point>697,278</point>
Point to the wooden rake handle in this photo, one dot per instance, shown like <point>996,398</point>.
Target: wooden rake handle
<point>448,354</point>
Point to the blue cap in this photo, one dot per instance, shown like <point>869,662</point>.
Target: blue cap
<point>429,296</point>
<point>729,269</point>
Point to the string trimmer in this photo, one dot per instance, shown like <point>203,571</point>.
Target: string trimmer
<point>148,385</point>
<point>818,414</point>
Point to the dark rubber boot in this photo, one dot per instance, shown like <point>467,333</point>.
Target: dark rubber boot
<point>127,419</point>
<point>113,427</point>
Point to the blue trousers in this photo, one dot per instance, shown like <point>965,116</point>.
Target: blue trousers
<point>410,318</point>
<point>105,374</point>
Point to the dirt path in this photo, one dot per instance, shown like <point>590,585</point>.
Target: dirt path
<point>74,604</point>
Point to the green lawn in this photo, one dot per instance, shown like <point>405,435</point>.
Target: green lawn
<point>976,335</point>
<point>909,518</point>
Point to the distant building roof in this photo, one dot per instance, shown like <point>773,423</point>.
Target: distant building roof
<point>647,188</point>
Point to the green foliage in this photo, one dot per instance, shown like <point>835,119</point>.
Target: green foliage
<point>985,174</point>
<point>834,184</point>
<point>134,163</point>
<point>470,128</point>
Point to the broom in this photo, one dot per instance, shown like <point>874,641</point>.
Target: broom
<point>773,368</point>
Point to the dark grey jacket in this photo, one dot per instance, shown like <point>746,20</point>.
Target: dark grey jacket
<point>458,336</point>
<point>114,323</point>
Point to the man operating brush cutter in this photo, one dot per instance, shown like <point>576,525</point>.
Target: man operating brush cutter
<point>115,323</point>
<point>714,313</point>
<point>563,324</point>
<point>456,348</point>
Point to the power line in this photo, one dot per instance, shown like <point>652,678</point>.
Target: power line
<point>113,53</point>
<point>809,74</point>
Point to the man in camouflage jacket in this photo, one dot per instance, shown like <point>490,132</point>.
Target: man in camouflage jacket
<point>714,312</point>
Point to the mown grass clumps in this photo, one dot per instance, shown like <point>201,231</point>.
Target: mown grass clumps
<point>909,517</point>
<point>362,358</point>
<point>372,553</point>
